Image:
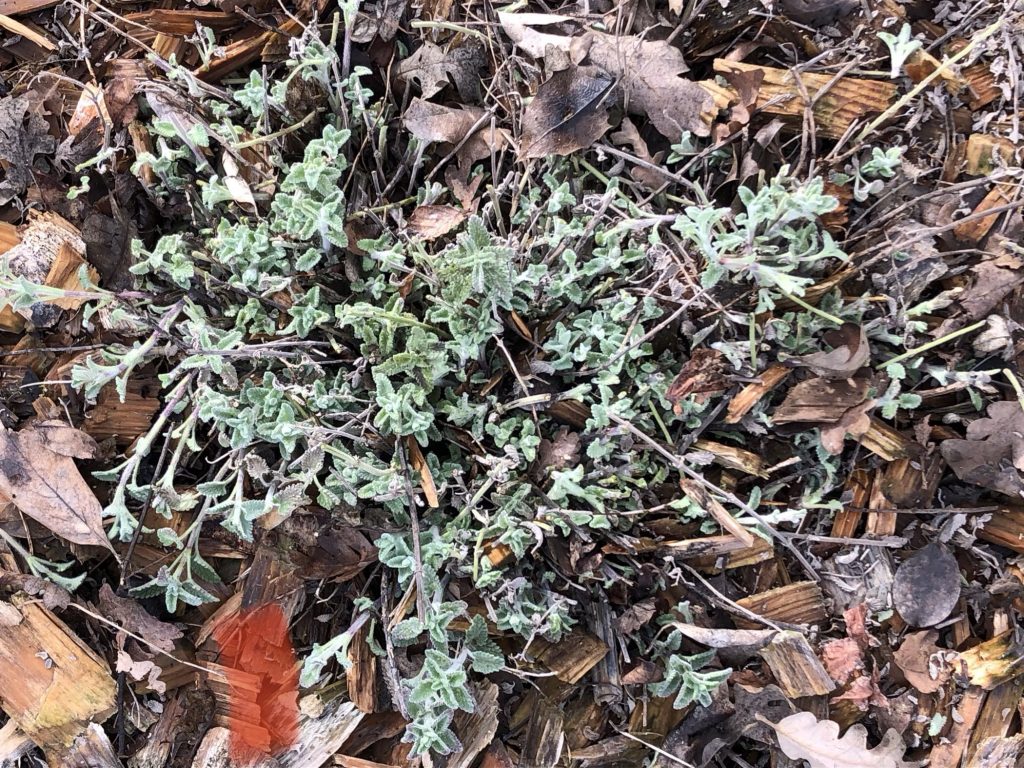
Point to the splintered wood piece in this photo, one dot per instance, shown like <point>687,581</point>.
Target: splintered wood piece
<point>322,736</point>
<point>920,64</point>
<point>974,230</point>
<point>700,496</point>
<point>545,737</point>
<point>1005,527</point>
<point>996,716</point>
<point>847,520</point>
<point>731,457</point>
<point>182,23</point>
<point>909,484</point>
<point>361,676</point>
<point>751,394</point>
<point>30,33</point>
<point>571,657</point>
<point>245,51</point>
<point>995,661</point>
<point>880,523</point>
<point>885,442</point>
<point>17,7</point>
<point>798,603</point>
<point>796,667</point>
<point>985,153</point>
<point>475,730</point>
<point>92,749</point>
<point>215,752</point>
<point>110,418</point>
<point>999,753</point>
<point>9,236</point>
<point>185,718</point>
<point>357,762</point>
<point>732,556</point>
<point>51,683</point>
<point>14,744</point>
<point>951,751</point>
<point>982,85</point>
<point>837,104</point>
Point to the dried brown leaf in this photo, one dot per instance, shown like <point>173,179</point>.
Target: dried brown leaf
<point>924,664</point>
<point>992,456</point>
<point>24,134</point>
<point>701,375</point>
<point>39,476</point>
<point>129,615</point>
<point>803,737</point>
<point>449,125</point>
<point>433,221</point>
<point>864,693</point>
<point>432,66</point>
<point>850,353</point>
<point>854,423</point>
<point>569,112</point>
<point>842,659</point>
<point>648,71</point>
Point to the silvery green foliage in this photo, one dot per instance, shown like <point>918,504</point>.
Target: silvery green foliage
<point>901,46</point>
<point>775,242</point>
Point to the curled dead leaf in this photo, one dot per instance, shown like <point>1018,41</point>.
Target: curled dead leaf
<point>925,665</point>
<point>433,221</point>
<point>850,353</point>
<point>569,112</point>
<point>927,586</point>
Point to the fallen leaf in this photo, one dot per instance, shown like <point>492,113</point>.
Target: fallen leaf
<point>850,353</point>
<point>854,423</point>
<point>144,669</point>
<point>927,586</point>
<point>647,71</point>
<point>923,663</point>
<point>129,615</point>
<point>24,134</point>
<point>842,659</point>
<point>628,135</point>
<point>569,112</point>
<point>754,707</point>
<point>433,221</point>
<point>449,125</point>
<point>863,692</point>
<point>856,618</point>
<point>432,66</point>
<point>715,637</point>
<point>701,375</point>
<point>636,616</point>
<point>994,280</point>
<point>992,456</point>
<point>559,453</point>
<point>39,476</point>
<point>803,737</point>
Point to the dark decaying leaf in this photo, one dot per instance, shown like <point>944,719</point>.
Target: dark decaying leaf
<point>569,112</point>
<point>992,456</point>
<point>434,67</point>
<point>701,375</point>
<point>927,586</point>
<point>850,353</point>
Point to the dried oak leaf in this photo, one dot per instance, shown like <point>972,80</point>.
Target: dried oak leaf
<point>926,587</point>
<point>129,615</point>
<point>647,71</point>
<point>855,422</point>
<point>628,135</point>
<point>636,616</point>
<point>850,353</point>
<point>432,66</point>
<point>450,125</point>
<point>992,456</point>
<point>923,663</point>
<point>24,134</point>
<point>803,737</point>
<point>433,221</point>
<point>569,112</point>
<point>39,476</point>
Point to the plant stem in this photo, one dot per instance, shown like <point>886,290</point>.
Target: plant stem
<point>932,344</point>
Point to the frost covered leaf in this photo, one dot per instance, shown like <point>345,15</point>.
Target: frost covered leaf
<point>39,476</point>
<point>804,737</point>
<point>992,456</point>
<point>24,133</point>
